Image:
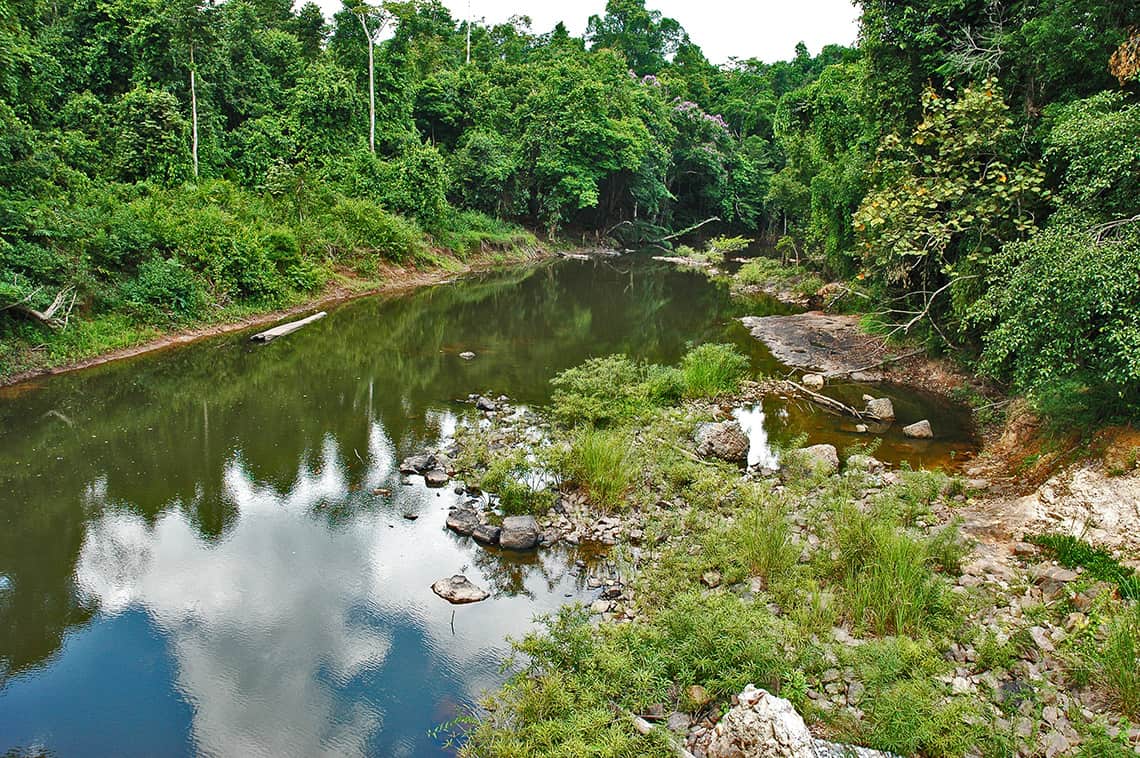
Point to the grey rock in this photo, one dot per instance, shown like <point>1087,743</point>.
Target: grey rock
<point>725,440</point>
<point>814,381</point>
<point>519,533</point>
<point>457,590</point>
<point>679,722</point>
<point>920,430</point>
<point>881,408</point>
<point>418,464</point>
<point>487,534</point>
<point>822,459</point>
<point>866,463</point>
<point>436,478</point>
<point>485,404</point>
<point>463,521</point>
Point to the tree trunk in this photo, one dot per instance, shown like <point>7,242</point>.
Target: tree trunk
<point>371,88</point>
<point>193,114</point>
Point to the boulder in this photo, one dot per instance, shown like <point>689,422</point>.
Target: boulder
<point>436,478</point>
<point>725,440</point>
<point>881,408</point>
<point>486,534</point>
<point>418,464</point>
<point>821,459</point>
<point>920,430</point>
<point>765,726</point>
<point>761,726</point>
<point>463,521</point>
<point>519,533</point>
<point>813,381</point>
<point>458,590</point>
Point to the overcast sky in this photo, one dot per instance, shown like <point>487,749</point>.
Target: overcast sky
<point>764,29</point>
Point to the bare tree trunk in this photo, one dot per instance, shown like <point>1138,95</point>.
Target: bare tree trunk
<point>371,87</point>
<point>193,114</point>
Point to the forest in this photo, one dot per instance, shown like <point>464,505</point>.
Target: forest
<point>970,166</point>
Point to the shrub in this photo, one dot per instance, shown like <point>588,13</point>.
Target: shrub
<point>764,538</point>
<point>600,391</point>
<point>712,370</point>
<point>1114,664</point>
<point>726,245</point>
<point>513,479</point>
<point>911,718</point>
<point>167,288</point>
<point>365,229</point>
<point>1061,312</point>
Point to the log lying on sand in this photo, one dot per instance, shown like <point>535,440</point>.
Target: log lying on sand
<point>281,331</point>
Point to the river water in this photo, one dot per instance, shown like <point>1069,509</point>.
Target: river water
<point>197,553</point>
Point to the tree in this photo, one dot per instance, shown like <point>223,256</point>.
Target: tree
<point>946,197</point>
<point>645,37</point>
<point>372,21</point>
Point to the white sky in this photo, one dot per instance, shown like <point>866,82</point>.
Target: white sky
<point>765,29</point>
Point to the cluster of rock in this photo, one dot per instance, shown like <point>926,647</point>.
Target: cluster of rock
<point>515,533</point>
<point>436,469</point>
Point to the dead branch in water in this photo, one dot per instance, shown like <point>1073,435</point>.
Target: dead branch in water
<point>827,402</point>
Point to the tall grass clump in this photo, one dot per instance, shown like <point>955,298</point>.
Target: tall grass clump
<point>1113,662</point>
<point>889,584</point>
<point>599,462</point>
<point>713,369</point>
<point>764,539</point>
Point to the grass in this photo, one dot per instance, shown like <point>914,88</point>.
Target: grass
<point>1072,552</point>
<point>712,370</point>
<point>600,463</point>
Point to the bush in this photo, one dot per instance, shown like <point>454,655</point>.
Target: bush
<point>513,479</point>
<point>165,287</point>
<point>363,229</point>
<point>600,391</point>
<point>1062,313</point>
<point>712,370</point>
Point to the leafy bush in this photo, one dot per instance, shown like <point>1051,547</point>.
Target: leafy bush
<point>1062,313</point>
<point>362,229</point>
<point>600,391</point>
<point>512,479</point>
<point>165,287</point>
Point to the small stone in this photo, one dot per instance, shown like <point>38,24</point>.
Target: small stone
<point>881,408</point>
<point>467,355</point>
<point>411,516</point>
<point>486,405</point>
<point>919,430</point>
<point>1024,549</point>
<point>814,381</point>
<point>822,459</point>
<point>457,590</point>
<point>861,429</point>
<point>519,533</point>
<point>679,722</point>
<point>698,696</point>
<point>598,607</point>
<point>436,478</point>
<point>711,579</point>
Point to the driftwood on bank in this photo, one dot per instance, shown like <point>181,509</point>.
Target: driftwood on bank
<point>284,329</point>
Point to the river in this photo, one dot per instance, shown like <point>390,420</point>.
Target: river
<point>198,554</point>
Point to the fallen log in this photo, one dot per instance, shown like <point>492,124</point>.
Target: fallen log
<point>280,331</point>
<point>830,403</point>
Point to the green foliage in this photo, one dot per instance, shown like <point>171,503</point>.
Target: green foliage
<point>600,462</point>
<point>1113,663</point>
<point>166,287</point>
<point>1073,552</point>
<point>512,479</point>
<point>1062,310</point>
<point>711,370</point>
<point>947,197</point>
<point>363,228</point>
<point>600,391</point>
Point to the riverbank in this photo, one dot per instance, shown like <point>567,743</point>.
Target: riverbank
<point>113,338</point>
<point>873,598</point>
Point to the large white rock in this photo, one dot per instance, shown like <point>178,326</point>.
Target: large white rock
<point>761,726</point>
<point>881,408</point>
<point>920,430</point>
